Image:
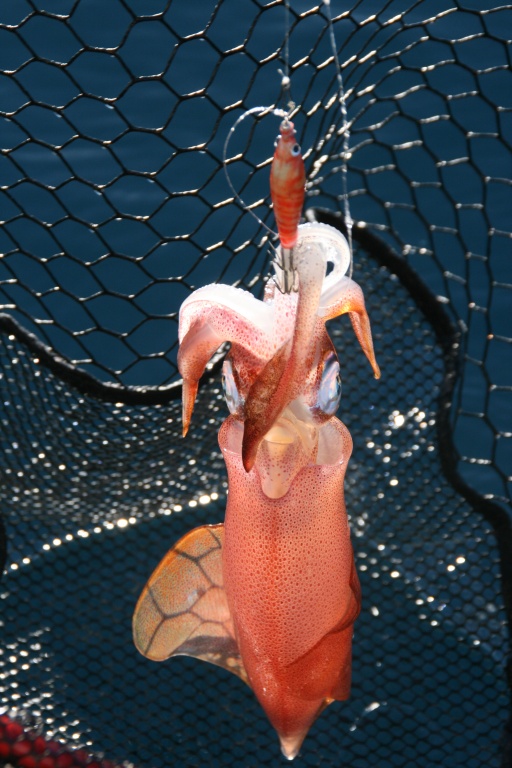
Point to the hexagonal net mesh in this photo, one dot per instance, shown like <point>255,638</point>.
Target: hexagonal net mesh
<point>115,207</point>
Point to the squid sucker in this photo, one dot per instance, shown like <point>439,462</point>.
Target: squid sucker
<point>272,593</point>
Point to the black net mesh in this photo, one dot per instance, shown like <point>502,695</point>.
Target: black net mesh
<point>114,207</point>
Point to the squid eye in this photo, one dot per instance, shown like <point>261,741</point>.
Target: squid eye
<point>295,150</point>
<point>231,392</point>
<point>329,393</point>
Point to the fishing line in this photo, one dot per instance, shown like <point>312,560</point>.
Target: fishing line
<point>345,130</point>
<point>260,111</point>
<point>286,82</point>
<point>253,111</point>
<point>286,114</point>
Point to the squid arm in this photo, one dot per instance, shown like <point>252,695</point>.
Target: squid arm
<point>210,317</point>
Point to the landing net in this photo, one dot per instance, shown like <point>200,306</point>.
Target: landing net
<point>115,207</point>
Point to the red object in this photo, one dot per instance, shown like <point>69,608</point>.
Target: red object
<point>29,761</point>
<point>287,182</point>
<point>21,748</point>
<point>5,749</point>
<point>47,762</point>
<point>26,749</point>
<point>13,730</point>
<point>40,745</point>
<point>64,761</point>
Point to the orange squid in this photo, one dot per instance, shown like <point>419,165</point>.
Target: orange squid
<point>272,593</point>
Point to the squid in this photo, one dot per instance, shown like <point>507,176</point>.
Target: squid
<point>271,594</point>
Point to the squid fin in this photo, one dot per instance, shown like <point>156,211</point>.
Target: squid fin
<point>183,609</point>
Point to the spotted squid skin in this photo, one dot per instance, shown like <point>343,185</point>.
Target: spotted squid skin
<point>291,585</point>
